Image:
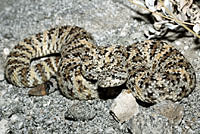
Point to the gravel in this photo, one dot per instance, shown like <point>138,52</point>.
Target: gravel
<point>110,22</point>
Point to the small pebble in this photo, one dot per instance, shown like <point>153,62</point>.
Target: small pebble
<point>186,47</point>
<point>6,51</point>
<point>178,43</point>
<point>14,118</point>
<point>3,126</point>
<point>20,125</point>
<point>109,130</point>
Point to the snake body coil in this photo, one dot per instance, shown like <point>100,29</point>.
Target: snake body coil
<point>153,70</point>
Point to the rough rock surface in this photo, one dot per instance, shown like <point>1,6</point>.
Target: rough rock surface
<point>110,22</point>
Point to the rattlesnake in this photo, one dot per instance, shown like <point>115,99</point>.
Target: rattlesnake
<point>153,70</point>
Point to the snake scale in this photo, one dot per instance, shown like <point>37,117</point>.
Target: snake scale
<point>153,70</point>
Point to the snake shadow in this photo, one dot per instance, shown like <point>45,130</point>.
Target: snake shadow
<point>113,92</point>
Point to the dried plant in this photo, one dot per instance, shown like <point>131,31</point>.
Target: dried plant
<point>171,15</point>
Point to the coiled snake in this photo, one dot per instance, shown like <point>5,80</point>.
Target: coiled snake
<point>153,70</point>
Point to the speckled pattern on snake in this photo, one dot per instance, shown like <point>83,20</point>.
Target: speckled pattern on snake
<point>153,70</point>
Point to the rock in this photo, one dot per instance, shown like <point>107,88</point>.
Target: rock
<point>148,122</point>
<point>174,112</point>
<point>80,111</point>
<point>124,106</point>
